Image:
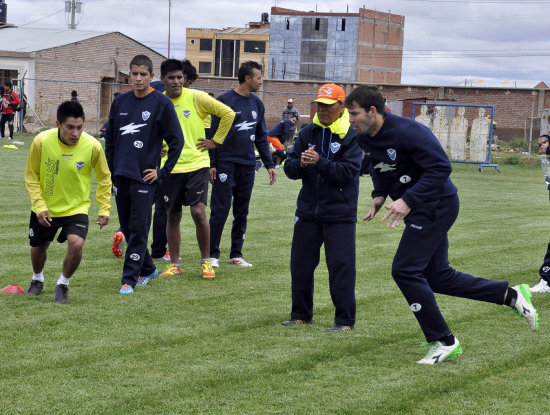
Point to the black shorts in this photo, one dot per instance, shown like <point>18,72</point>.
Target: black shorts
<point>186,189</point>
<point>70,225</point>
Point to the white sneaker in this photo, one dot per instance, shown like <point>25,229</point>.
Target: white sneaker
<point>240,262</point>
<point>524,306</point>
<point>215,262</point>
<point>438,352</point>
<point>541,287</point>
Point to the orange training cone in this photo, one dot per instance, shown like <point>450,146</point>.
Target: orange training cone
<point>13,289</point>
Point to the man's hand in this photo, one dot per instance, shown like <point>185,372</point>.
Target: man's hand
<point>163,150</point>
<point>203,144</point>
<point>212,172</point>
<point>102,221</point>
<point>543,145</point>
<point>150,176</point>
<point>397,211</point>
<point>45,219</point>
<point>375,206</point>
<point>309,157</point>
<point>272,175</point>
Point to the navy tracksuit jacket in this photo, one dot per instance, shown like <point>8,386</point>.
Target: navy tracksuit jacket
<point>326,214</point>
<point>409,163</point>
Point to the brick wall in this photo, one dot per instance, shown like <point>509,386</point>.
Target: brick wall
<point>512,106</point>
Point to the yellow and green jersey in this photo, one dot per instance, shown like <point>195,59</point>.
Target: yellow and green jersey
<point>192,107</point>
<point>58,177</point>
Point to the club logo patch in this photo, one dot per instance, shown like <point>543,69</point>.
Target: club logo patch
<point>145,115</point>
<point>253,137</point>
<point>325,92</point>
<point>31,232</point>
<point>545,269</point>
<point>415,307</point>
<point>166,198</point>
<point>391,153</point>
<point>223,177</point>
<point>79,165</point>
<point>254,114</point>
<point>405,179</point>
<point>334,147</point>
<point>186,113</point>
<point>134,257</point>
<point>138,144</point>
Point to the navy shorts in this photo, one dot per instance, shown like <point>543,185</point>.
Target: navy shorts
<point>70,225</point>
<point>186,189</point>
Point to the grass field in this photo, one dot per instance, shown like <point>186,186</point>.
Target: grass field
<point>188,346</point>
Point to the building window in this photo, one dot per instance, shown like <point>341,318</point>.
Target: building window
<point>206,45</point>
<point>343,25</point>
<point>205,67</point>
<point>254,46</point>
<point>317,23</point>
<point>288,23</point>
<point>192,41</point>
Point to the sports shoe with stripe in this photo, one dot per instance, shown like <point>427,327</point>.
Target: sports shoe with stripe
<point>215,262</point>
<point>172,271</point>
<point>143,281</point>
<point>126,289</point>
<point>207,271</point>
<point>541,287</point>
<point>438,352</point>
<point>118,244</point>
<point>295,321</point>
<point>339,327</point>
<point>165,257</point>
<point>240,262</point>
<point>524,306</point>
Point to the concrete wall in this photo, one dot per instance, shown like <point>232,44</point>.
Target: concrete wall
<point>512,106</point>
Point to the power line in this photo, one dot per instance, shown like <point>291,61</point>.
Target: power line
<point>42,18</point>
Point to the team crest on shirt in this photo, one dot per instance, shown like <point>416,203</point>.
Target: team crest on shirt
<point>254,114</point>
<point>253,137</point>
<point>223,177</point>
<point>391,153</point>
<point>145,115</point>
<point>138,144</point>
<point>334,147</point>
<point>79,165</point>
<point>186,113</point>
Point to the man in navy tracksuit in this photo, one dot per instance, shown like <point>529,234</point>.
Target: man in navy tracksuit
<point>138,122</point>
<point>232,164</point>
<point>410,166</point>
<point>327,158</point>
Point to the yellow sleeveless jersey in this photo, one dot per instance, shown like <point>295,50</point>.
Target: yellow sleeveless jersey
<point>58,177</point>
<point>192,107</point>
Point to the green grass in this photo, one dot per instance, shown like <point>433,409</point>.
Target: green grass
<point>188,346</point>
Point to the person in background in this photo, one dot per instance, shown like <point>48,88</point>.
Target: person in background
<point>290,111</point>
<point>10,102</point>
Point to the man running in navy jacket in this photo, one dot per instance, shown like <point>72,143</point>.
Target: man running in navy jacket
<point>410,166</point>
<point>138,122</point>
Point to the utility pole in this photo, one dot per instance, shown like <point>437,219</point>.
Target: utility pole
<point>72,8</point>
<point>169,18</point>
<point>73,14</point>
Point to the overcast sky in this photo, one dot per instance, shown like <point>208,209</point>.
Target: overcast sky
<point>447,42</point>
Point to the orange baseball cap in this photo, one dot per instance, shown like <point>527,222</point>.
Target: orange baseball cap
<point>330,94</point>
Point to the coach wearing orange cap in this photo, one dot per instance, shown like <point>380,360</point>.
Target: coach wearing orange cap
<point>327,158</point>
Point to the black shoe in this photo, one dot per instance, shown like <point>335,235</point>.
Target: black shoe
<point>35,288</point>
<point>294,321</point>
<point>61,294</point>
<point>338,327</point>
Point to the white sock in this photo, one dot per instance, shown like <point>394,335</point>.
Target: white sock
<point>63,280</point>
<point>38,277</point>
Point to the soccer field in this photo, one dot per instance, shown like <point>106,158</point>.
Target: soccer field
<point>184,345</point>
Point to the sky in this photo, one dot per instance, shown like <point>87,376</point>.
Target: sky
<point>447,42</point>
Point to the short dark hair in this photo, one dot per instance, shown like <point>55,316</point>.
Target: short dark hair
<point>367,96</point>
<point>69,109</point>
<point>246,70</point>
<point>142,60</point>
<point>8,84</point>
<point>74,93</point>
<point>170,65</point>
<point>189,70</point>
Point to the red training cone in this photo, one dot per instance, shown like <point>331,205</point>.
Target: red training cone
<point>13,289</point>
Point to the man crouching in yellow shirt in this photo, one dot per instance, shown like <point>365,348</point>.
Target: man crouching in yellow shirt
<point>58,177</point>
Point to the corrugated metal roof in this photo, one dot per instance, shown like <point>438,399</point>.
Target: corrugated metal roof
<point>246,31</point>
<point>27,39</point>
